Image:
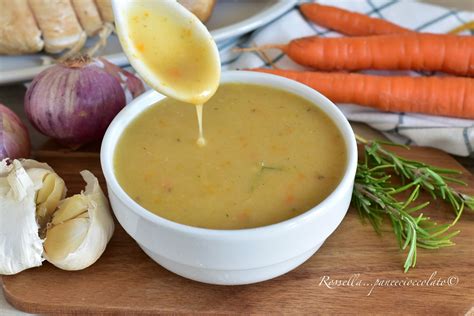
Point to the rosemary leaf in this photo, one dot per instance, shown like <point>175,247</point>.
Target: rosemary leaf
<point>375,197</point>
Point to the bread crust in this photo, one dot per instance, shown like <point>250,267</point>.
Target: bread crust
<point>105,9</point>
<point>88,15</point>
<point>19,33</point>
<point>29,26</point>
<point>58,22</point>
<point>201,8</point>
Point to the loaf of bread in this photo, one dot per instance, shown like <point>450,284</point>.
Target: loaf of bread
<point>19,33</point>
<point>29,26</point>
<point>105,8</point>
<point>201,8</point>
<point>88,16</point>
<point>58,23</point>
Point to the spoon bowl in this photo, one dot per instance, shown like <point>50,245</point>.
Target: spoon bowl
<point>169,47</point>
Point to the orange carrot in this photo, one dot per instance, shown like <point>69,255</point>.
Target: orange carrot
<point>447,96</point>
<point>348,22</point>
<point>412,51</point>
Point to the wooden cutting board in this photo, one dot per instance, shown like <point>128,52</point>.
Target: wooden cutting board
<point>125,280</point>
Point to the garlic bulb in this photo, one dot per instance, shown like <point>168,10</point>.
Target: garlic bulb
<point>20,245</point>
<point>48,196</point>
<point>76,233</point>
<point>80,228</point>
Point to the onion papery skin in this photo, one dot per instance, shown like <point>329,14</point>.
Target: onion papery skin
<point>14,138</point>
<point>131,84</point>
<point>74,104</point>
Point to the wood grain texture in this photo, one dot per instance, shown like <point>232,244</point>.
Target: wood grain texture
<point>125,280</point>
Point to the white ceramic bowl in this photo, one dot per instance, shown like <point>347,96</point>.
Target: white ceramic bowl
<point>231,256</point>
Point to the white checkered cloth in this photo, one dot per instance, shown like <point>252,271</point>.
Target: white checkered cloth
<point>455,136</point>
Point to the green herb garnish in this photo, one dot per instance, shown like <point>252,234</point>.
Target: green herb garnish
<point>260,173</point>
<point>376,197</point>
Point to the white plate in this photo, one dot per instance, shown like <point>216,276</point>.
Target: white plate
<point>230,19</point>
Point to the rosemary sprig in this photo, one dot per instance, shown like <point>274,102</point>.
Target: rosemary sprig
<point>260,173</point>
<point>376,197</point>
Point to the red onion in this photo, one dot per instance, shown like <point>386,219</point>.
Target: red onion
<point>14,138</point>
<point>132,85</point>
<point>74,102</point>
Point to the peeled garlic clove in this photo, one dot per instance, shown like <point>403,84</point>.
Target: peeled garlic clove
<point>48,197</point>
<point>76,238</point>
<point>20,245</point>
<point>65,238</point>
<point>70,208</point>
<point>50,190</point>
<point>47,189</point>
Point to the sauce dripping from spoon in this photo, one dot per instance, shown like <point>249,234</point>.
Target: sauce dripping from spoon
<point>201,141</point>
<point>171,50</point>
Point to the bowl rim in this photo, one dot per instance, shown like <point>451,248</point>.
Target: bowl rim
<point>129,113</point>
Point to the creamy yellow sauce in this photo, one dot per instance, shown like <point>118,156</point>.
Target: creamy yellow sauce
<point>270,156</point>
<point>201,140</point>
<point>173,50</point>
